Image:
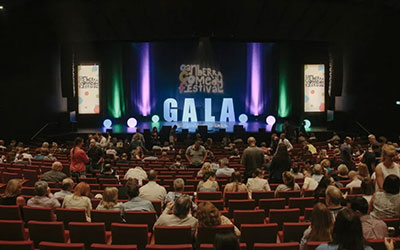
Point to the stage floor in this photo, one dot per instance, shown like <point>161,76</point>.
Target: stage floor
<point>213,127</point>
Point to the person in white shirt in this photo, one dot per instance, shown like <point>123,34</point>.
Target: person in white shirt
<point>224,170</point>
<point>67,186</point>
<point>285,141</point>
<point>355,181</point>
<point>136,173</point>
<point>387,166</point>
<point>258,183</point>
<point>152,191</point>
<point>309,182</point>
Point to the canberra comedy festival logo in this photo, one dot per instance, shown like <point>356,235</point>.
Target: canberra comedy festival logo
<point>195,79</point>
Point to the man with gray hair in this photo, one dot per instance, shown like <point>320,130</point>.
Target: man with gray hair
<point>333,199</point>
<point>196,154</point>
<point>67,185</point>
<point>224,169</point>
<point>152,190</point>
<point>55,174</point>
<point>252,158</point>
<point>43,198</point>
<point>179,188</point>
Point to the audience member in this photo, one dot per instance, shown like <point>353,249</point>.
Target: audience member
<point>55,174</point>
<point>370,157</point>
<point>252,158</point>
<point>204,169</point>
<point>137,153</point>
<point>282,139</point>
<point>345,152</point>
<point>258,183</point>
<point>280,163</point>
<point>109,200</point>
<point>318,172</point>
<point>135,203</point>
<point>196,154</point>
<point>342,172</point>
<point>367,189</point>
<point>136,173</point>
<point>387,166</point>
<point>236,184</point>
<point>309,182</point>
<point>362,171</point>
<point>152,190</point>
<point>288,183</point>
<point>107,171</point>
<point>79,159</point>
<point>12,194</point>
<point>224,170</point>
<point>43,197</point>
<point>296,172</point>
<point>95,154</point>
<point>79,199</point>
<point>208,184</point>
<point>151,157</point>
<point>333,199</point>
<point>386,203</point>
<point>355,181</point>
<point>67,185</point>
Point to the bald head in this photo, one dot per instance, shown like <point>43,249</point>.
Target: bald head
<point>57,166</point>
<point>251,141</point>
<point>333,196</point>
<point>152,175</point>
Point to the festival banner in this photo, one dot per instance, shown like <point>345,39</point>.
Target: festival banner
<point>314,88</point>
<point>88,89</point>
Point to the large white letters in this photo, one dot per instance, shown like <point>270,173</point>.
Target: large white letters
<point>227,110</point>
<point>170,110</point>
<point>189,110</point>
<point>208,117</point>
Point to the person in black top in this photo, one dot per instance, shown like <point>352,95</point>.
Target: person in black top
<point>369,157</point>
<point>280,163</point>
<point>95,154</point>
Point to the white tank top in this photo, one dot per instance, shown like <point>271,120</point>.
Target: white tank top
<point>388,171</point>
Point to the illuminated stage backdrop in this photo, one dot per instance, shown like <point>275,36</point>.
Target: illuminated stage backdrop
<point>88,89</point>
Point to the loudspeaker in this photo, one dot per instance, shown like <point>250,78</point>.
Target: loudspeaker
<point>203,130</point>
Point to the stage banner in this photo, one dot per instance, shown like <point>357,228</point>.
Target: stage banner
<point>314,88</point>
<point>88,89</point>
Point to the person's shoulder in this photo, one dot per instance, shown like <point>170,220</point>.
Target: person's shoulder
<point>326,246</point>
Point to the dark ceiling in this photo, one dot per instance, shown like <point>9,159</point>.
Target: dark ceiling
<point>131,20</point>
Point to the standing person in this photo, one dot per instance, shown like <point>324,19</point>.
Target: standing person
<point>387,166</point>
<point>282,139</point>
<point>252,158</point>
<point>196,155</point>
<point>370,156</point>
<point>95,154</point>
<point>139,136</point>
<point>345,152</point>
<point>172,135</point>
<point>79,159</point>
<point>280,163</point>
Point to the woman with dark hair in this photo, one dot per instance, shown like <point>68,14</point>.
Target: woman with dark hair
<point>209,184</point>
<point>226,241</point>
<point>79,159</point>
<point>279,164</point>
<point>386,204</point>
<point>288,183</point>
<point>321,225</point>
<point>322,186</point>
<point>367,189</point>
<point>236,184</point>
<point>347,233</point>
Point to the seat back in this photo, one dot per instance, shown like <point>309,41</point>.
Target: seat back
<point>258,195</point>
<point>288,194</point>
<point>169,247</point>
<point>16,245</point>
<point>157,206</point>
<point>208,196</point>
<point>248,217</point>
<point>293,231</point>
<point>141,217</point>
<point>10,213</point>
<point>267,204</point>
<point>284,215</point>
<point>124,234</point>
<point>308,214</point>
<point>207,234</point>
<point>217,203</point>
<point>262,233</point>
<point>235,196</point>
<point>393,222</point>
<point>277,246</point>
<point>106,216</point>
<point>12,230</point>
<point>52,231</point>
<point>243,246</point>
<point>44,245</point>
<point>241,205</point>
<point>37,213</point>
<point>87,233</point>
<point>312,245</point>
<point>302,203</point>
<point>97,246</point>
<point>68,215</point>
<point>173,234</point>
<point>379,244</point>
<point>8,176</point>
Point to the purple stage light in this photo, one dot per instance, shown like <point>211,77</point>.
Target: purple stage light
<point>132,122</point>
<point>254,100</point>
<point>270,120</point>
<point>145,79</point>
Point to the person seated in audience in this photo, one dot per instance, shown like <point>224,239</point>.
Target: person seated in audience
<point>333,199</point>
<point>355,180</point>
<point>258,183</point>
<point>309,148</point>
<point>326,165</point>
<point>136,173</point>
<point>181,215</point>
<point>179,188</point>
<point>45,147</point>
<point>137,153</point>
<point>320,191</point>
<point>318,172</point>
<point>226,241</point>
<point>110,200</point>
<point>235,154</point>
<point>152,191</point>
<point>372,228</point>
<point>309,182</point>
<point>208,184</point>
<point>296,172</point>
<point>204,169</point>
<point>107,172</point>
<point>12,194</point>
<point>164,156</point>
<point>178,163</point>
<point>209,216</point>
<point>289,183</point>
<point>2,147</point>
<point>362,171</point>
<point>167,147</point>
<point>323,154</point>
<point>20,160</point>
<point>79,199</point>
<point>342,172</point>
<point>152,156</point>
<point>224,169</point>
<point>386,203</point>
<point>111,151</point>
<point>135,203</point>
<point>321,225</point>
<point>67,185</point>
<point>55,174</point>
<point>367,189</point>
<point>387,166</point>
<point>123,159</point>
<point>236,184</point>
<point>43,198</point>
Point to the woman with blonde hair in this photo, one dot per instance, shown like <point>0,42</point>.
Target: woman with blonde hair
<point>208,216</point>
<point>204,169</point>
<point>109,201</point>
<point>79,199</point>
<point>208,184</point>
<point>12,193</point>
<point>362,171</point>
<point>387,166</point>
<point>288,183</point>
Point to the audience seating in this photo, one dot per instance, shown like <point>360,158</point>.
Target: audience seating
<point>248,217</point>
<point>235,196</point>
<point>258,195</point>
<point>208,196</point>
<point>283,215</point>
<point>241,205</point>
<point>96,246</point>
<point>211,246</point>
<point>173,234</point>
<point>259,233</point>
<point>141,217</point>
<point>288,194</point>
<point>277,246</point>
<point>16,245</point>
<point>293,231</point>
<point>12,230</point>
<point>37,213</point>
<point>61,246</point>
<point>157,206</point>
<point>106,216</point>
<point>10,213</point>
<point>217,203</point>
<point>267,204</point>
<point>207,234</point>
<point>47,231</point>
<point>125,234</point>
<point>302,203</point>
<point>380,244</point>
<point>169,247</point>
<point>68,215</point>
<point>88,233</point>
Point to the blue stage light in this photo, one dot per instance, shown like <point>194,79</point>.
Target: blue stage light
<point>307,123</point>
<point>155,118</point>
<point>132,122</point>
<point>107,123</point>
<point>270,120</point>
<point>243,118</point>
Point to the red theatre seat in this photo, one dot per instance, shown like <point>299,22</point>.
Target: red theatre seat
<point>262,233</point>
<point>277,246</point>
<point>12,230</point>
<point>207,234</point>
<point>211,246</point>
<point>173,234</point>
<point>97,246</point>
<point>10,213</point>
<point>52,231</point>
<point>125,234</point>
<point>169,247</point>
<point>106,216</point>
<point>16,245</point>
<point>61,246</point>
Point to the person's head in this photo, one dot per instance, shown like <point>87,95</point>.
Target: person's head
<point>179,185</point>
<point>224,163</point>
<point>124,156</point>
<point>137,130</point>
<point>67,184</point>
<point>164,154</point>
<point>236,177</point>
<point>209,176</point>
<point>205,168</point>
<point>363,170</point>
<point>353,175</point>
<point>182,206</point>
<point>107,167</point>
<point>288,179</point>
<point>110,197</point>
<point>323,153</point>
<point>321,223</point>
<point>282,136</point>
<point>376,148</point>
<point>57,166</point>
<point>140,150</point>
<point>359,204</point>
<point>82,189</point>
<point>348,139</point>
<point>251,141</point>
<point>152,175</point>
<point>41,188</point>
<point>347,231</point>
<point>391,184</point>
<point>208,215</point>
<point>333,196</point>
<point>178,158</point>
<point>367,187</point>
<point>197,144</point>
<point>258,173</point>
<point>342,170</point>
<point>388,153</point>
<point>132,188</point>
<point>295,169</point>
<point>92,143</point>
<point>372,139</point>
<point>307,172</point>
<point>325,163</point>
<point>78,142</point>
<point>226,241</point>
<point>13,188</point>
<point>318,170</point>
